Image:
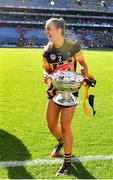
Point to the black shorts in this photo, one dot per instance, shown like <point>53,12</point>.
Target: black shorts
<point>75,94</point>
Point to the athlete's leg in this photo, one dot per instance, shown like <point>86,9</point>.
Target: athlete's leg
<point>52,114</point>
<point>66,119</point>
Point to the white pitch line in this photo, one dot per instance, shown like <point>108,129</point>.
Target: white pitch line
<point>53,161</point>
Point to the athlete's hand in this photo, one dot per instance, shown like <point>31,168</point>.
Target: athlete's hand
<point>90,80</point>
<point>46,77</point>
<point>84,72</point>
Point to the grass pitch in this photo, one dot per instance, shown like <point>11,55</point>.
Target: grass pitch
<point>23,131</point>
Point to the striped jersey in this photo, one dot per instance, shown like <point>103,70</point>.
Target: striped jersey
<point>54,57</point>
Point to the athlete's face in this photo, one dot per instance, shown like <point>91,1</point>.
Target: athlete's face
<point>52,32</point>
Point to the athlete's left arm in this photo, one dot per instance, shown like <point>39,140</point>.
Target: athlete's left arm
<point>80,58</point>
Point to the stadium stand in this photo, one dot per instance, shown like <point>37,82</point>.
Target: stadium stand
<point>22,21</point>
<point>110,5</point>
<point>8,36</point>
<point>35,3</point>
<point>86,4</point>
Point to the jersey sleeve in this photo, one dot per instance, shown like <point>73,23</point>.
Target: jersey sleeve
<point>75,48</point>
<point>46,65</point>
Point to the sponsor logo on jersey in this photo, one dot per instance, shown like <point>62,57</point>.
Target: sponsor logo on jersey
<point>53,57</point>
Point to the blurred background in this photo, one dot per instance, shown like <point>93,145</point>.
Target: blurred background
<point>22,21</point>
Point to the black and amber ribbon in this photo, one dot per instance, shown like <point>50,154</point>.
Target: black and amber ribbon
<point>89,81</point>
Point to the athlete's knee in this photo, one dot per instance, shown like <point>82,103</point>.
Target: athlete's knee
<point>52,127</point>
<point>65,128</point>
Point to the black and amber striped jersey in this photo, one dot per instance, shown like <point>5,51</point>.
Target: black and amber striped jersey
<point>53,57</point>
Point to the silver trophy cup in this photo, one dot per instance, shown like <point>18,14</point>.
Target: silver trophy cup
<point>66,82</point>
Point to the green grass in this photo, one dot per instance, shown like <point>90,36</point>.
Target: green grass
<point>23,131</point>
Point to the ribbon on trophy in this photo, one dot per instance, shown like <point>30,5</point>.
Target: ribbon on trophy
<point>89,81</point>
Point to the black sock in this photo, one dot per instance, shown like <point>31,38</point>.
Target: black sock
<point>60,141</point>
<point>67,159</point>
